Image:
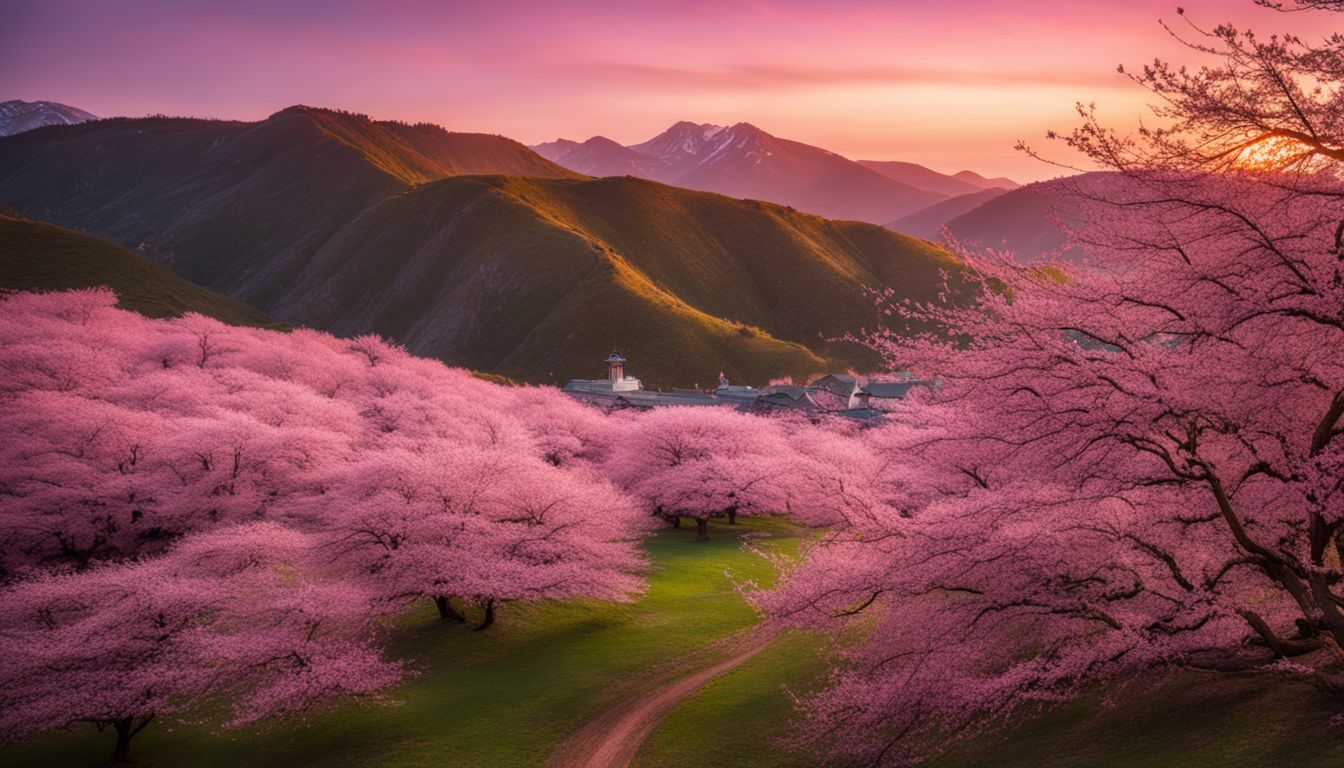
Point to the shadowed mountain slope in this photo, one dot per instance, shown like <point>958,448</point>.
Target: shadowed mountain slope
<point>43,257</point>
<point>1023,221</point>
<point>975,179</point>
<point>926,178</point>
<point>928,223</point>
<point>600,156</point>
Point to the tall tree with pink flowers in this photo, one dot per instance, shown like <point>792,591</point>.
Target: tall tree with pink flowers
<point>236,615</point>
<point>1129,464</point>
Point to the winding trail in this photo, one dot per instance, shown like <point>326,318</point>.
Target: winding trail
<point>611,739</point>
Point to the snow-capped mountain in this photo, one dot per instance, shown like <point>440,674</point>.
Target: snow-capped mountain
<point>687,144</point>
<point>19,116</point>
<point>744,161</point>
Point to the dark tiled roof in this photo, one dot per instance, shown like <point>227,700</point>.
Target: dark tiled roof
<point>861,414</point>
<point>785,390</point>
<point>896,389</point>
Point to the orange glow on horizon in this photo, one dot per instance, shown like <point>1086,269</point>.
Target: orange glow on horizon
<point>952,86</point>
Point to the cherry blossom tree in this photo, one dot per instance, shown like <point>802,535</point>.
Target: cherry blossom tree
<point>702,463</point>
<point>429,482</point>
<point>1131,463</point>
<point>482,524</point>
<point>237,615</point>
<point>566,431</point>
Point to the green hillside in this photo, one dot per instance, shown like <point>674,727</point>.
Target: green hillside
<point>237,207</point>
<point>42,257</point>
<point>539,279</point>
<point>332,220</point>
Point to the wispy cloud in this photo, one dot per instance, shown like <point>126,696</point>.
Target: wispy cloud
<point>754,77</point>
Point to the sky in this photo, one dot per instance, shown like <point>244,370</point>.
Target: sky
<point>951,84</point>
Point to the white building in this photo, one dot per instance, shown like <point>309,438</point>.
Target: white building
<point>615,382</point>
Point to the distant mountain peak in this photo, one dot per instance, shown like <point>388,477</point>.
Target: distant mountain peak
<point>743,160</point>
<point>600,141</point>
<point>698,143</point>
<point>971,177</point>
<point>17,116</point>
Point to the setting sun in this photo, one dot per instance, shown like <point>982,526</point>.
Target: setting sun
<point>1275,153</point>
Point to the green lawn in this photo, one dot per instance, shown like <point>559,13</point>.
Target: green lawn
<point>742,718</point>
<point>503,697</point>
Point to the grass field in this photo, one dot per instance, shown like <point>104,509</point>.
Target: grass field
<point>742,718</point>
<point>1190,720</point>
<point>505,697</point>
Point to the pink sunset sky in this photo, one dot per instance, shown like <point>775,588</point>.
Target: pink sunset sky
<point>951,84</point>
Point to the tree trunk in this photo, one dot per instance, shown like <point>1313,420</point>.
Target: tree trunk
<point>122,752</point>
<point>126,728</point>
<point>1325,600</point>
<point>676,521</point>
<point>732,515</point>
<point>1282,647</point>
<point>489,616</point>
<point>446,609</point>
<point>701,529</point>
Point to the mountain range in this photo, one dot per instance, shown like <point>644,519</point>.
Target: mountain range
<point>19,116</point>
<point>928,222</point>
<point>1026,221</point>
<point>746,162</point>
<point>472,248</point>
<point>959,183</point>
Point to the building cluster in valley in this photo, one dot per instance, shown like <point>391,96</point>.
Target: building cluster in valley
<point>833,394</point>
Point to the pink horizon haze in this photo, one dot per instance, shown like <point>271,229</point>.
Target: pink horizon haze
<point>949,85</point>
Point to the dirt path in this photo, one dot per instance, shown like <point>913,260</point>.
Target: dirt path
<point>611,739</point>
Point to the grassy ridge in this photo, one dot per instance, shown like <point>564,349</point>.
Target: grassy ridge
<point>42,257</point>
<point>420,153</point>
<point>237,207</point>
